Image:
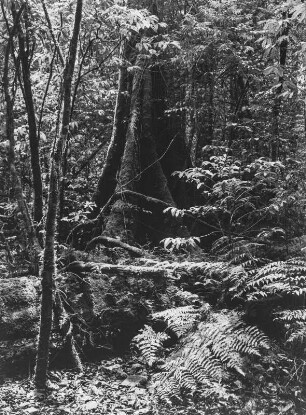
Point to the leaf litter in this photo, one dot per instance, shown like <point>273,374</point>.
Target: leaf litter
<point>98,390</point>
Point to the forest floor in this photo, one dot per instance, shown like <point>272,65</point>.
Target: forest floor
<point>121,386</point>
<point>118,386</point>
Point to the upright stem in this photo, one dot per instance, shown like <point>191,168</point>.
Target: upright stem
<point>10,117</point>
<point>49,266</point>
<point>29,101</point>
<point>278,99</point>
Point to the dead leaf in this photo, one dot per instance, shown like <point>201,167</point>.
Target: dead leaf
<point>32,410</point>
<point>135,380</point>
<point>90,405</point>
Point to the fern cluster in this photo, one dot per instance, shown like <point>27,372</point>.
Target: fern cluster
<point>279,289</point>
<point>277,278</point>
<point>211,345</point>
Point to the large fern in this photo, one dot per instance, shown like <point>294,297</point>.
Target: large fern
<point>283,278</point>
<point>211,345</point>
<point>294,321</point>
<point>277,292</point>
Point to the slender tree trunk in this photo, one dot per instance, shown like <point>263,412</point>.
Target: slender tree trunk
<point>33,247</point>
<point>274,148</point>
<point>29,101</point>
<point>49,265</point>
<point>191,138</point>
<point>210,106</point>
<point>47,17</point>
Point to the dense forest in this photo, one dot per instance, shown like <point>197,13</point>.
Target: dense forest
<point>152,207</point>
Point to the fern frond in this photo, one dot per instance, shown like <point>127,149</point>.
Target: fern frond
<point>218,344</point>
<point>290,316</point>
<point>297,334</point>
<point>265,279</point>
<point>237,279</point>
<point>248,340</point>
<point>167,389</point>
<point>203,364</point>
<point>286,277</point>
<point>181,319</point>
<point>186,380</point>
<point>149,343</point>
<point>298,291</point>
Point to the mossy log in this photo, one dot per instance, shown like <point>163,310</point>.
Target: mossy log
<point>19,312</point>
<point>106,305</point>
<point>146,268</point>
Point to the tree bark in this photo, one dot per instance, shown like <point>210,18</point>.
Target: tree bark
<point>133,156</point>
<point>108,182</point>
<point>121,221</point>
<point>274,145</point>
<point>154,182</point>
<point>57,47</point>
<point>191,137</point>
<point>49,259</point>
<point>141,170</point>
<point>16,183</point>
<point>29,101</point>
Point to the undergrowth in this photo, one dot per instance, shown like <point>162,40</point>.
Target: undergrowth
<point>213,347</point>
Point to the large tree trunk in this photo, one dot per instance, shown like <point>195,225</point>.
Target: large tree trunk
<point>121,220</point>
<point>107,182</point>
<point>141,170</point>
<point>136,159</point>
<point>153,180</point>
<point>49,265</point>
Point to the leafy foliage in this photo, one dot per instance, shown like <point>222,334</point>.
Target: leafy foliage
<point>238,212</point>
<point>177,244</point>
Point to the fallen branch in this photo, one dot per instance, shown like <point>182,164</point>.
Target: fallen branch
<point>144,201</point>
<point>89,158</point>
<point>111,242</point>
<point>88,224</point>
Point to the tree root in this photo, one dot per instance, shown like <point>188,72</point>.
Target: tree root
<point>142,201</point>
<point>65,327</point>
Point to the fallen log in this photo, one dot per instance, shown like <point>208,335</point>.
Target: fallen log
<point>79,267</point>
<point>148,268</point>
